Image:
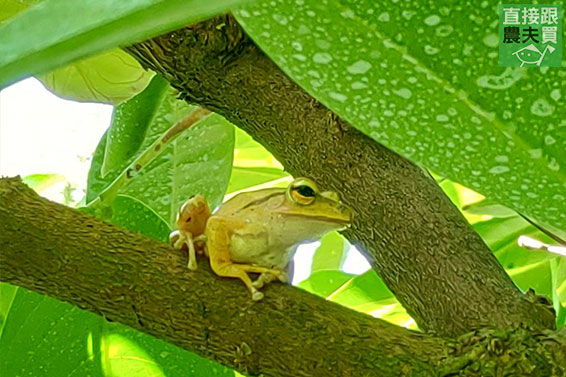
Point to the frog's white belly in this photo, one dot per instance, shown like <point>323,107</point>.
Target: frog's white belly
<point>255,249</point>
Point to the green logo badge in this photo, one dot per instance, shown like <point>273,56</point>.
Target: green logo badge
<point>530,35</point>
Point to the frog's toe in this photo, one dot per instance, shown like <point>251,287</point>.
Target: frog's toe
<point>283,276</point>
<point>174,239</point>
<point>259,283</point>
<point>257,295</point>
<point>192,265</point>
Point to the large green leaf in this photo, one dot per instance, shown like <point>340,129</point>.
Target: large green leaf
<point>111,77</point>
<point>423,79</point>
<point>129,125</point>
<point>9,8</point>
<point>41,336</point>
<point>198,161</point>
<point>331,253</point>
<point>56,32</point>
<point>45,337</point>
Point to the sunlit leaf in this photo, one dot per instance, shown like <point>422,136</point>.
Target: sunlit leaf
<point>9,8</point>
<point>558,269</point>
<point>45,337</point>
<point>489,207</point>
<point>249,153</point>
<point>535,276</point>
<point>56,32</point>
<point>40,182</point>
<point>246,177</point>
<point>365,293</point>
<point>254,166</point>
<point>331,253</point>
<point>324,283</point>
<point>42,336</point>
<point>425,82</point>
<point>110,77</point>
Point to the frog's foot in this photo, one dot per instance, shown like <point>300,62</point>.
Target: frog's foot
<point>176,239</point>
<point>263,279</point>
<point>282,276</point>
<point>257,295</point>
<point>268,277</point>
<point>192,254</point>
<point>192,265</point>
<point>236,271</point>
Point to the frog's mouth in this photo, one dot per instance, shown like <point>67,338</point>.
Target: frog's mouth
<point>346,221</point>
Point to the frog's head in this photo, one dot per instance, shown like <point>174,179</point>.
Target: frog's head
<point>193,215</point>
<point>310,212</point>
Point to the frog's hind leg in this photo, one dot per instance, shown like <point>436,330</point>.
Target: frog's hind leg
<point>268,277</point>
<point>218,247</point>
<point>235,271</point>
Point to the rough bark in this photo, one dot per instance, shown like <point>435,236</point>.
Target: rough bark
<point>125,277</point>
<point>420,244</point>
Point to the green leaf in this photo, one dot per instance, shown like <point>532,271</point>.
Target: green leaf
<point>42,336</point>
<point>254,166</point>
<point>246,177</point>
<point>425,82</point>
<point>131,214</point>
<point>56,32</point>
<point>489,207</point>
<point>324,283</point>
<point>198,161</point>
<point>40,182</point>
<point>558,270</point>
<point>9,8</point>
<point>45,337</point>
<point>130,353</point>
<point>365,293</point>
<point>501,235</point>
<point>331,253</point>
<point>110,77</point>
<point>368,294</point>
<point>249,153</point>
<point>528,268</point>
<point>129,125</point>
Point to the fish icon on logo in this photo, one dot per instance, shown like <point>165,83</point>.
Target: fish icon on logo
<point>531,54</point>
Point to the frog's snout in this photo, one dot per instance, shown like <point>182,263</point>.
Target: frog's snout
<point>347,211</point>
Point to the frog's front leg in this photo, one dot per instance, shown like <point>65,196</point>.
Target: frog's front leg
<point>178,239</point>
<point>218,233</point>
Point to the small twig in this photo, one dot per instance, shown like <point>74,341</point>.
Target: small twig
<point>144,159</point>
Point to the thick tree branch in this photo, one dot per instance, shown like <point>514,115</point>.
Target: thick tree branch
<point>125,277</point>
<point>420,244</point>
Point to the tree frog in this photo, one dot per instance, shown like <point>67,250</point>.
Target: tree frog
<point>256,232</point>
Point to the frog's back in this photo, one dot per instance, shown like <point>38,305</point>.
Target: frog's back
<point>245,201</point>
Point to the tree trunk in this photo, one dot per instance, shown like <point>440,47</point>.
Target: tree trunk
<point>125,277</point>
<point>420,244</point>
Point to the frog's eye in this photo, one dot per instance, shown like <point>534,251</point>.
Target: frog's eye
<point>302,191</point>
